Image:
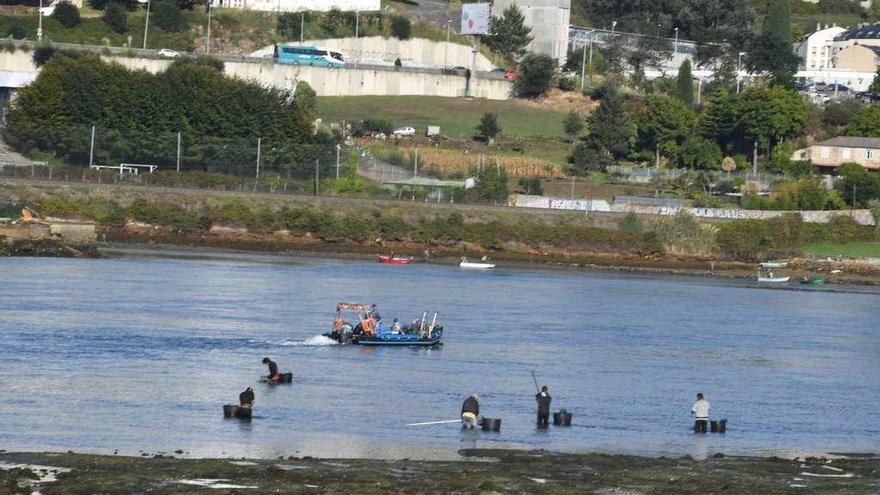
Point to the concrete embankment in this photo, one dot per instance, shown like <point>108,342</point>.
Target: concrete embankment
<point>49,239</point>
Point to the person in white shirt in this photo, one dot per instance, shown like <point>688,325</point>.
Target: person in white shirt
<point>701,414</point>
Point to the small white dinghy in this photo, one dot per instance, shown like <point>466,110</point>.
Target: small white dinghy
<point>484,264</point>
<point>769,277</point>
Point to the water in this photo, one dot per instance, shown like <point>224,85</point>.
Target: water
<point>140,354</point>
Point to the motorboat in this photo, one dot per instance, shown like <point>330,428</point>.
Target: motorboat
<point>484,264</point>
<point>371,331</point>
<point>394,259</point>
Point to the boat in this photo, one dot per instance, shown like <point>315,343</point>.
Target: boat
<point>422,332</point>
<point>394,259</point>
<point>812,280</point>
<point>483,264</point>
<point>774,264</point>
<point>769,277</point>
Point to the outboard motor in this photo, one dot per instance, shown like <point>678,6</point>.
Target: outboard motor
<point>345,334</point>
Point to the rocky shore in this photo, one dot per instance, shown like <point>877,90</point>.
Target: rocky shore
<point>479,472</point>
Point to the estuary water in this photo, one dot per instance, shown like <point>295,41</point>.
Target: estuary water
<point>139,354</point>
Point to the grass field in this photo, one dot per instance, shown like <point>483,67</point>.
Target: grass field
<point>850,250</point>
<point>455,116</point>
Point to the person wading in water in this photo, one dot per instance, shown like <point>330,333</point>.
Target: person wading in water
<point>543,398</point>
<point>273,370</point>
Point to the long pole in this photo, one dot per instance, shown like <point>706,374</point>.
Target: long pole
<point>40,22</point>
<point>92,148</point>
<point>146,24</point>
<point>583,67</point>
<point>738,70</point>
<point>435,422</point>
<point>357,23</point>
<point>416,165</point>
<point>591,57</point>
<point>446,47</point>
<point>208,44</point>
<point>259,145</point>
<point>178,152</point>
<point>337,161</point>
<point>317,180</point>
<point>302,26</point>
<point>675,46</point>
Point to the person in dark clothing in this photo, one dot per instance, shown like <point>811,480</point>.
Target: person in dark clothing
<point>246,398</point>
<point>273,370</point>
<point>470,409</point>
<point>543,398</point>
<point>374,312</point>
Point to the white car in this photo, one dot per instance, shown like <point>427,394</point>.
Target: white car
<point>168,53</point>
<point>405,131</point>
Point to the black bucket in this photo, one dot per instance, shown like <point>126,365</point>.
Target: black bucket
<point>562,418</point>
<point>286,377</point>
<point>722,426</point>
<point>491,424</point>
<point>229,410</point>
<point>244,412</point>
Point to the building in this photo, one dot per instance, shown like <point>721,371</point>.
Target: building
<point>682,49</point>
<point>867,35</point>
<point>816,49</point>
<point>861,58</point>
<point>301,5</point>
<point>835,152</point>
<point>549,20</point>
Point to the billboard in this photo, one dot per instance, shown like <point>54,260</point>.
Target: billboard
<point>475,18</point>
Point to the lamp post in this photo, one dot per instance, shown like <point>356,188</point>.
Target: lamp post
<point>739,69</point>
<point>40,22</point>
<point>302,26</point>
<point>675,46</point>
<point>208,43</point>
<point>613,25</point>
<point>146,24</point>
<point>446,48</point>
<point>584,59</point>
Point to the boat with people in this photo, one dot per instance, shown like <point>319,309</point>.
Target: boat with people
<point>485,263</point>
<point>370,330</point>
<point>394,259</point>
<point>771,277</point>
<point>812,280</point>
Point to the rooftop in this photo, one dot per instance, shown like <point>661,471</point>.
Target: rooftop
<point>851,142</point>
<point>870,31</point>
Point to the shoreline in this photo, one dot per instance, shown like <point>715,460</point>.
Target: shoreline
<point>479,471</point>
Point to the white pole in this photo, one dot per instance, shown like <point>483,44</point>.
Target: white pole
<point>92,149</point>
<point>738,70</point>
<point>584,65</point>
<point>259,144</point>
<point>302,26</point>
<point>435,422</point>
<point>446,48</point>
<point>357,23</point>
<point>416,166</point>
<point>146,24</point>
<point>178,152</point>
<point>208,45</point>
<point>675,46</point>
<point>40,22</point>
<point>591,57</point>
<point>337,161</point>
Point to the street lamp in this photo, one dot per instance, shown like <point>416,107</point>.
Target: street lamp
<point>675,46</point>
<point>208,44</point>
<point>40,22</point>
<point>613,25</point>
<point>739,69</point>
<point>584,59</point>
<point>146,24</point>
<point>446,48</point>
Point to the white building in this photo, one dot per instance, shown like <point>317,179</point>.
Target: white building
<point>817,49</point>
<point>549,20</point>
<point>301,5</point>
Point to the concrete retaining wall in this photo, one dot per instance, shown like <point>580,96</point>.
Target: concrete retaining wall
<point>862,217</point>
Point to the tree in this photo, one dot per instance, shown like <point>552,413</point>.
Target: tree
<point>116,18</point>
<point>167,16</point>
<point>666,123</point>
<point>874,88</point>
<point>488,127</point>
<point>856,185</point>
<point>699,153</point>
<point>866,123</point>
<point>718,121</point>
<point>289,24</point>
<point>508,34</point>
<point>535,74</point>
<point>401,27</point>
<point>573,125</point>
<point>767,115</point>
<point>17,32</point>
<point>305,97</point>
<point>610,135</point>
<point>42,54</point>
<point>684,84</point>
<point>67,14</point>
<point>531,185</point>
<point>772,51</point>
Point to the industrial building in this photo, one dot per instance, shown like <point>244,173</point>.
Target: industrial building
<point>549,20</point>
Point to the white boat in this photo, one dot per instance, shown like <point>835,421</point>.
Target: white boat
<point>484,264</point>
<point>774,279</point>
<point>774,264</point>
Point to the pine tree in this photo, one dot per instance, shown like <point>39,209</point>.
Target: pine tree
<point>610,136</point>
<point>772,51</point>
<point>508,34</point>
<point>684,84</point>
<point>115,17</point>
<point>488,127</point>
<point>573,125</point>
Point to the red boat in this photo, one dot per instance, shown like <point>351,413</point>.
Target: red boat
<point>395,260</point>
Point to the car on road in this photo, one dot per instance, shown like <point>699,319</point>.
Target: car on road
<point>404,131</point>
<point>168,53</point>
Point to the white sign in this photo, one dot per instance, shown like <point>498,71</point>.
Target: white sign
<point>475,18</point>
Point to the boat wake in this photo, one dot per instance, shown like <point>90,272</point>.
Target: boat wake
<point>315,341</point>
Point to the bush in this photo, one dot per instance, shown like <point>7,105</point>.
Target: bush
<point>17,32</point>
<point>631,224</point>
<point>43,54</point>
<point>535,74</point>
<point>568,83</point>
<point>67,14</point>
<point>167,16</point>
<point>488,127</point>
<point>401,27</point>
<point>743,239</point>
<point>116,18</point>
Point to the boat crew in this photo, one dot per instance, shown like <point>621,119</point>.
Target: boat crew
<point>374,313</point>
<point>273,370</point>
<point>470,409</point>
<point>700,410</point>
<point>395,326</point>
<point>543,398</point>
<point>246,398</point>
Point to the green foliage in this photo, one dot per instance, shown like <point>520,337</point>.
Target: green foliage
<point>115,17</point>
<point>568,83</point>
<point>508,34</point>
<point>42,54</point>
<point>535,75</point>
<point>684,84</point>
<point>611,133</point>
<point>573,125</point>
<point>874,88</point>
<point>401,27</point>
<point>768,115</point>
<point>169,214</point>
<point>289,24</point>
<point>665,125</point>
<point>874,206</point>
<point>488,127</point>
<point>166,15</point>
<point>491,185</point>
<point>631,224</point>
<point>772,52</point>
<point>841,113</point>
<point>719,120</point>
<point>67,14</point>
<point>866,122</point>
<point>682,233</point>
<point>305,97</point>
<point>699,153</point>
<point>856,185</point>
<point>17,32</point>
<point>531,185</point>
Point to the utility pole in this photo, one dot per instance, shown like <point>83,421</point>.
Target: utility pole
<point>40,22</point>
<point>92,149</point>
<point>337,160</point>
<point>446,48</point>
<point>208,44</point>
<point>259,145</point>
<point>178,152</point>
<point>357,23</point>
<point>675,46</point>
<point>302,26</point>
<point>317,179</point>
<point>739,69</point>
<point>146,24</point>
<point>416,165</point>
